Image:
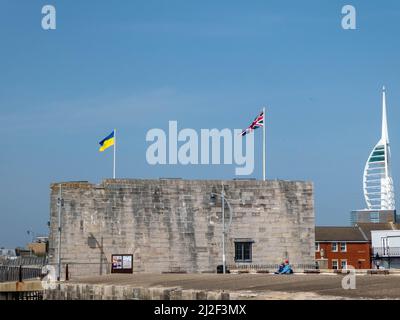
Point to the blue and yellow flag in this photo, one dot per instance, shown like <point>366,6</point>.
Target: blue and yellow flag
<point>107,142</point>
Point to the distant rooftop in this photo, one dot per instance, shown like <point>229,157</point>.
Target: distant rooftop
<point>361,232</point>
<point>339,234</point>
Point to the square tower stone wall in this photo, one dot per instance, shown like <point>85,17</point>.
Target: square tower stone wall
<point>172,225</point>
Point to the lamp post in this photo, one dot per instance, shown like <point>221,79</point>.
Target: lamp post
<point>31,233</point>
<point>224,229</point>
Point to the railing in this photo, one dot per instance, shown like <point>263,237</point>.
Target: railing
<point>13,273</point>
<point>82,269</point>
<point>386,251</point>
<point>271,267</point>
<point>24,261</point>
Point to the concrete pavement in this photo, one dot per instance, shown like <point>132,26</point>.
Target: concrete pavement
<point>262,286</point>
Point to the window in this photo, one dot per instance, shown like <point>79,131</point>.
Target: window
<point>243,251</point>
<point>334,246</point>
<point>317,246</point>
<point>334,264</point>
<point>343,264</point>
<point>374,217</point>
<point>343,247</point>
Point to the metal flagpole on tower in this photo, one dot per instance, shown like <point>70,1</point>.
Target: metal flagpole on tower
<point>115,146</point>
<point>264,143</point>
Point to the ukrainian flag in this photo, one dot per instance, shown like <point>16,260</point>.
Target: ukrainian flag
<point>107,142</point>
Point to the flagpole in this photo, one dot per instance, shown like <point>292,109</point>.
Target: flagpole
<point>264,143</point>
<point>115,146</point>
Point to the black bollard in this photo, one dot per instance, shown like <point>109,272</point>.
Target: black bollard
<point>20,274</point>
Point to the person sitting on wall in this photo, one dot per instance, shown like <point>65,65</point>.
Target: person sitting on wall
<point>287,269</point>
<point>280,268</point>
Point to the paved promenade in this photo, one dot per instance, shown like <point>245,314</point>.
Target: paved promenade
<point>264,286</point>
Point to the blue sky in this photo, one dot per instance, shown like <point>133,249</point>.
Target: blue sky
<point>135,65</point>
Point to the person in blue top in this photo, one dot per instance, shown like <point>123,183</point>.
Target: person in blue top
<point>285,268</point>
<point>280,268</point>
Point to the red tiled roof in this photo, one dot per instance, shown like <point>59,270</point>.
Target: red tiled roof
<point>339,234</point>
<point>361,232</point>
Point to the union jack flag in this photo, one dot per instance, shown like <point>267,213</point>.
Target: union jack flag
<point>257,123</point>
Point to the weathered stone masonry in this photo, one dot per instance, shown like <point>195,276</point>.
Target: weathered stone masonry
<point>174,225</point>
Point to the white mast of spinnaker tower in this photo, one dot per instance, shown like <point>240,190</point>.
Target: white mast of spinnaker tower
<point>377,181</point>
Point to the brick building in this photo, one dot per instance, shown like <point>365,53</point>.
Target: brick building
<point>343,246</point>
